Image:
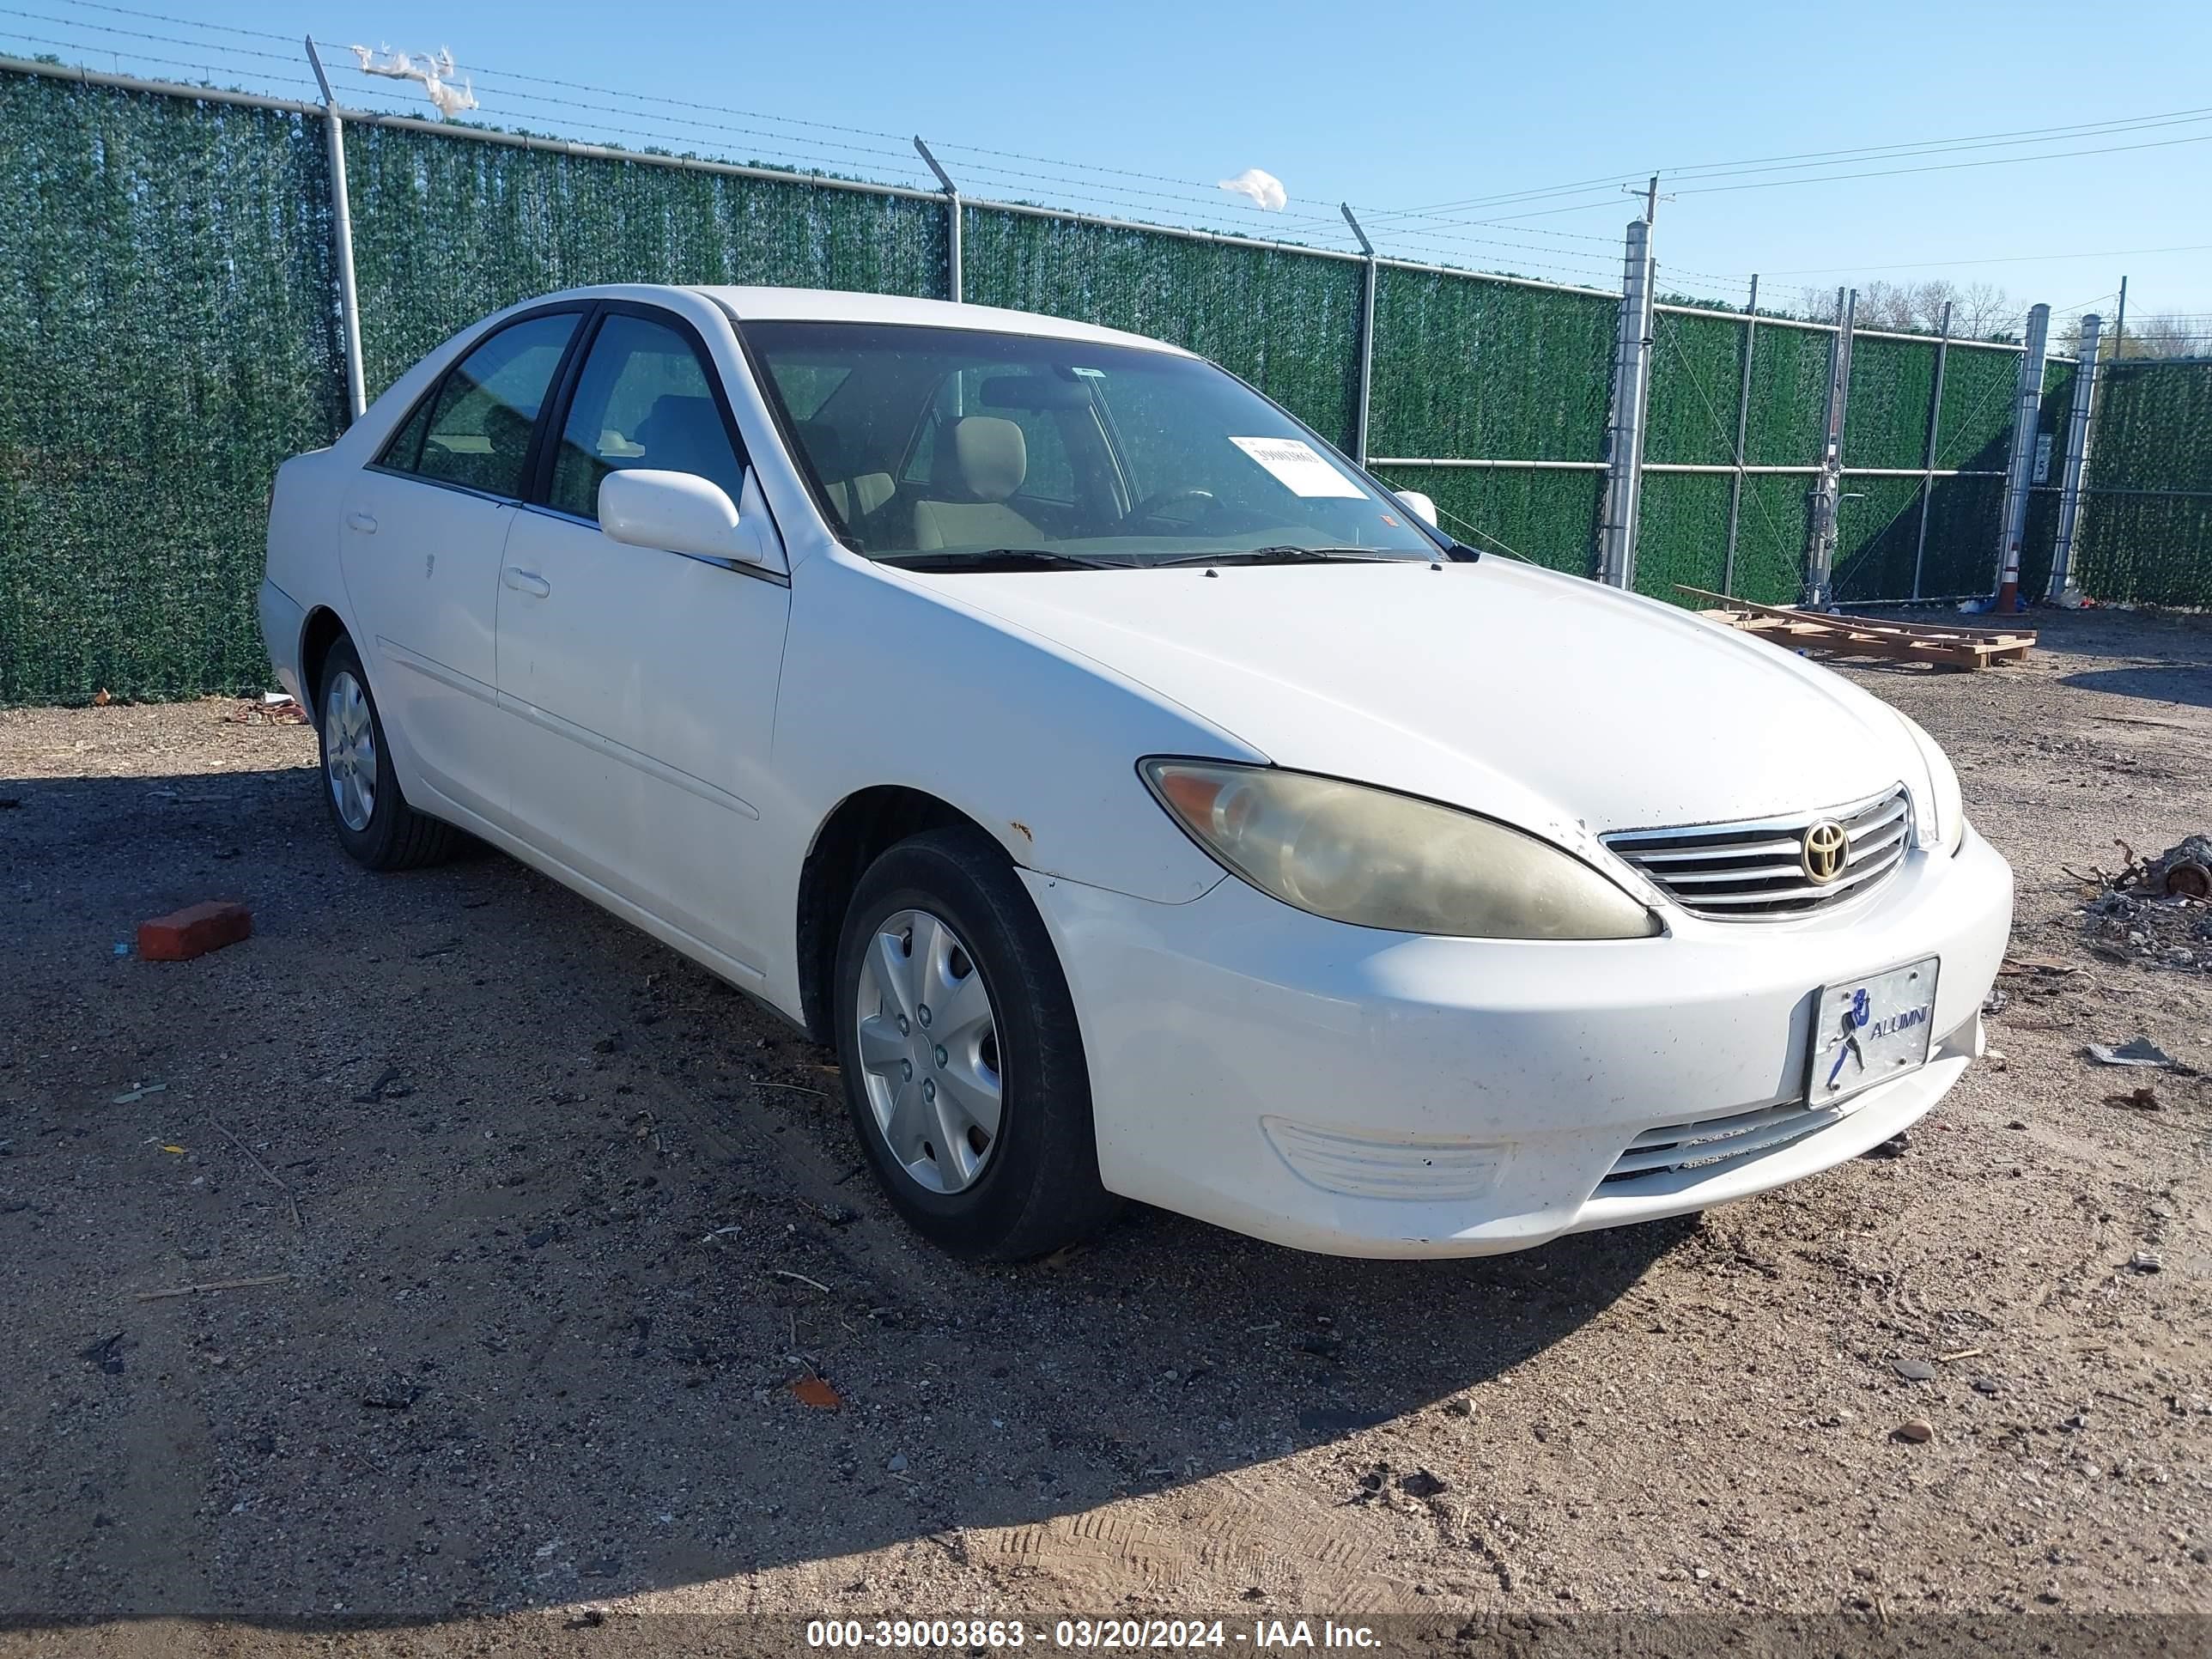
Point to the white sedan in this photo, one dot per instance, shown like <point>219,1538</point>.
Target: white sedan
<point>1144,801</point>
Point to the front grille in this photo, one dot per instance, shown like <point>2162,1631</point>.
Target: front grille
<point>1752,872</point>
<point>1711,1142</point>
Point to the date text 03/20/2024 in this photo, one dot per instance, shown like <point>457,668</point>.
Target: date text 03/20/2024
<point>1284,1635</point>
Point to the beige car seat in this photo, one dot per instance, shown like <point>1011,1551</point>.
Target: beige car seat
<point>985,460</point>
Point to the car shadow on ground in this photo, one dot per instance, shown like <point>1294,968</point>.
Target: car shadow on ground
<point>2186,683</point>
<point>561,1276</point>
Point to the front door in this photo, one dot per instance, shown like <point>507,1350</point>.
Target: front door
<point>640,685</point>
<point>420,543</point>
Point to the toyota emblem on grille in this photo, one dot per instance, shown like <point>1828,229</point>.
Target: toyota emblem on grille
<point>1826,845</point>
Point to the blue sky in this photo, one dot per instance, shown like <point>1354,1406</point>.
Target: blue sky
<point>1393,106</point>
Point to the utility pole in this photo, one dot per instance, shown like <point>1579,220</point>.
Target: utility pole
<point>341,242</point>
<point>952,221</point>
<point>1366,337</point>
<point>1742,429</point>
<point>2120,322</point>
<point>1827,492</point>
<point>2062,590</point>
<point>2027,406</point>
<point>1624,433</point>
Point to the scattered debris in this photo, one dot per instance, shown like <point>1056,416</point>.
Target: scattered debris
<point>194,931</point>
<point>272,708</point>
<point>102,697</point>
<point>387,1086</point>
<point>107,1354</point>
<point>2154,911</point>
<point>1954,1357</point>
<point>398,1399</point>
<point>2146,1261</point>
<point>216,1285</point>
<point>1985,1384</point>
<point>298,1220</point>
<point>1914,1429</point>
<point>2138,1051</point>
<point>139,1092</point>
<point>2042,966</point>
<point>811,1390</point>
<point>2144,1099</point>
<point>1912,1370</point>
<point>786,1272</point>
<point>1422,1484</point>
<point>1896,1146</point>
<point>897,1464</point>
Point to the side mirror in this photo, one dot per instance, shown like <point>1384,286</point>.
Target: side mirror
<point>680,511</point>
<point>1419,505</point>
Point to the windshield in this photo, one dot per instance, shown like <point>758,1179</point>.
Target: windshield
<point>940,446</point>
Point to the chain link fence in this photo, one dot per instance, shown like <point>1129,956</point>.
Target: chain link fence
<point>169,332</point>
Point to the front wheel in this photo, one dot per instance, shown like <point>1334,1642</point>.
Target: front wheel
<point>964,1068</point>
<point>374,822</point>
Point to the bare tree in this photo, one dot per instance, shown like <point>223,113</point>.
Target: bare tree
<point>2168,335</point>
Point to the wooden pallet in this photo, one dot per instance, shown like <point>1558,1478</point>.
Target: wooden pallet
<point>1857,636</point>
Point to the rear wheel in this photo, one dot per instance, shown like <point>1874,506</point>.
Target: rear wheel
<point>964,1068</point>
<point>374,822</point>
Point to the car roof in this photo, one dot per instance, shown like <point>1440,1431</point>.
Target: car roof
<point>833,305</point>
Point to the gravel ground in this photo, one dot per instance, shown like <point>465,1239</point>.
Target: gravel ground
<point>562,1220</point>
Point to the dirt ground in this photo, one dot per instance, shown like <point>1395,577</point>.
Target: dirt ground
<point>561,1219</point>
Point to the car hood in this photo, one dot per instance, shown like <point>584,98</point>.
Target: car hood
<point>1545,700</point>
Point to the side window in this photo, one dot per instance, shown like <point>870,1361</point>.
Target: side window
<point>642,400</point>
<point>476,430</point>
<point>1050,475</point>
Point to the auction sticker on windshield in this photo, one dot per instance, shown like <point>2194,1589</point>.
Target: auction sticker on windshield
<point>1297,467</point>
<point>1867,1030</point>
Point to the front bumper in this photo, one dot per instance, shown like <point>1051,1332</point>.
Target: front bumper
<point>1365,1093</point>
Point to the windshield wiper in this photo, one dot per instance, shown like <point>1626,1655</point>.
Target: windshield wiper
<point>987,557</point>
<point>1283,555</point>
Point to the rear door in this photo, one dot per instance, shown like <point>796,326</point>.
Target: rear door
<point>423,528</point>
<point>639,684</point>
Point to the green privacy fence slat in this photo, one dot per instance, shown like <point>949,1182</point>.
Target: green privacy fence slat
<point>1789,396</point>
<point>2147,525</point>
<point>1466,368</point>
<point>1547,517</point>
<point>447,230</point>
<point>1697,367</point>
<point>1684,535</point>
<point>167,334</point>
<point>1286,322</point>
<point>1891,383</point>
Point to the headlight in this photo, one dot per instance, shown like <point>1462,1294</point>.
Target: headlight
<point>1942,821</point>
<point>1378,859</point>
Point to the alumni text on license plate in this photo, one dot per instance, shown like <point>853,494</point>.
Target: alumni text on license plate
<point>1867,1030</point>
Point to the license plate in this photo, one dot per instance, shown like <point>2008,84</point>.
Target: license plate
<point>1867,1030</point>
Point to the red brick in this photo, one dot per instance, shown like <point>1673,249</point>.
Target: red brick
<point>194,931</point>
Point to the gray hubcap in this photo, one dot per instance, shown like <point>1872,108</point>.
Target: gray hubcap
<point>349,750</point>
<point>929,1051</point>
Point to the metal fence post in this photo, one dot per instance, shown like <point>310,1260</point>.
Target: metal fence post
<point>2077,459</point>
<point>2028,406</point>
<point>1928,455</point>
<point>1827,492</point>
<point>1366,337</point>
<point>342,235</point>
<point>1623,435</point>
<point>1742,428</point>
<point>952,212</point>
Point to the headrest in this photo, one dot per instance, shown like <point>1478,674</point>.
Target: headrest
<point>992,457</point>
<point>825,445</point>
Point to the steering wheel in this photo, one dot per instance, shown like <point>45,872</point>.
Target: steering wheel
<point>1159,499</point>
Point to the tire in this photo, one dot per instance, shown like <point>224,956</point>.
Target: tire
<point>951,899</point>
<point>358,780</point>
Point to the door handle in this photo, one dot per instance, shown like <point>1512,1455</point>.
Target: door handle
<point>364,522</point>
<point>524,581</point>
